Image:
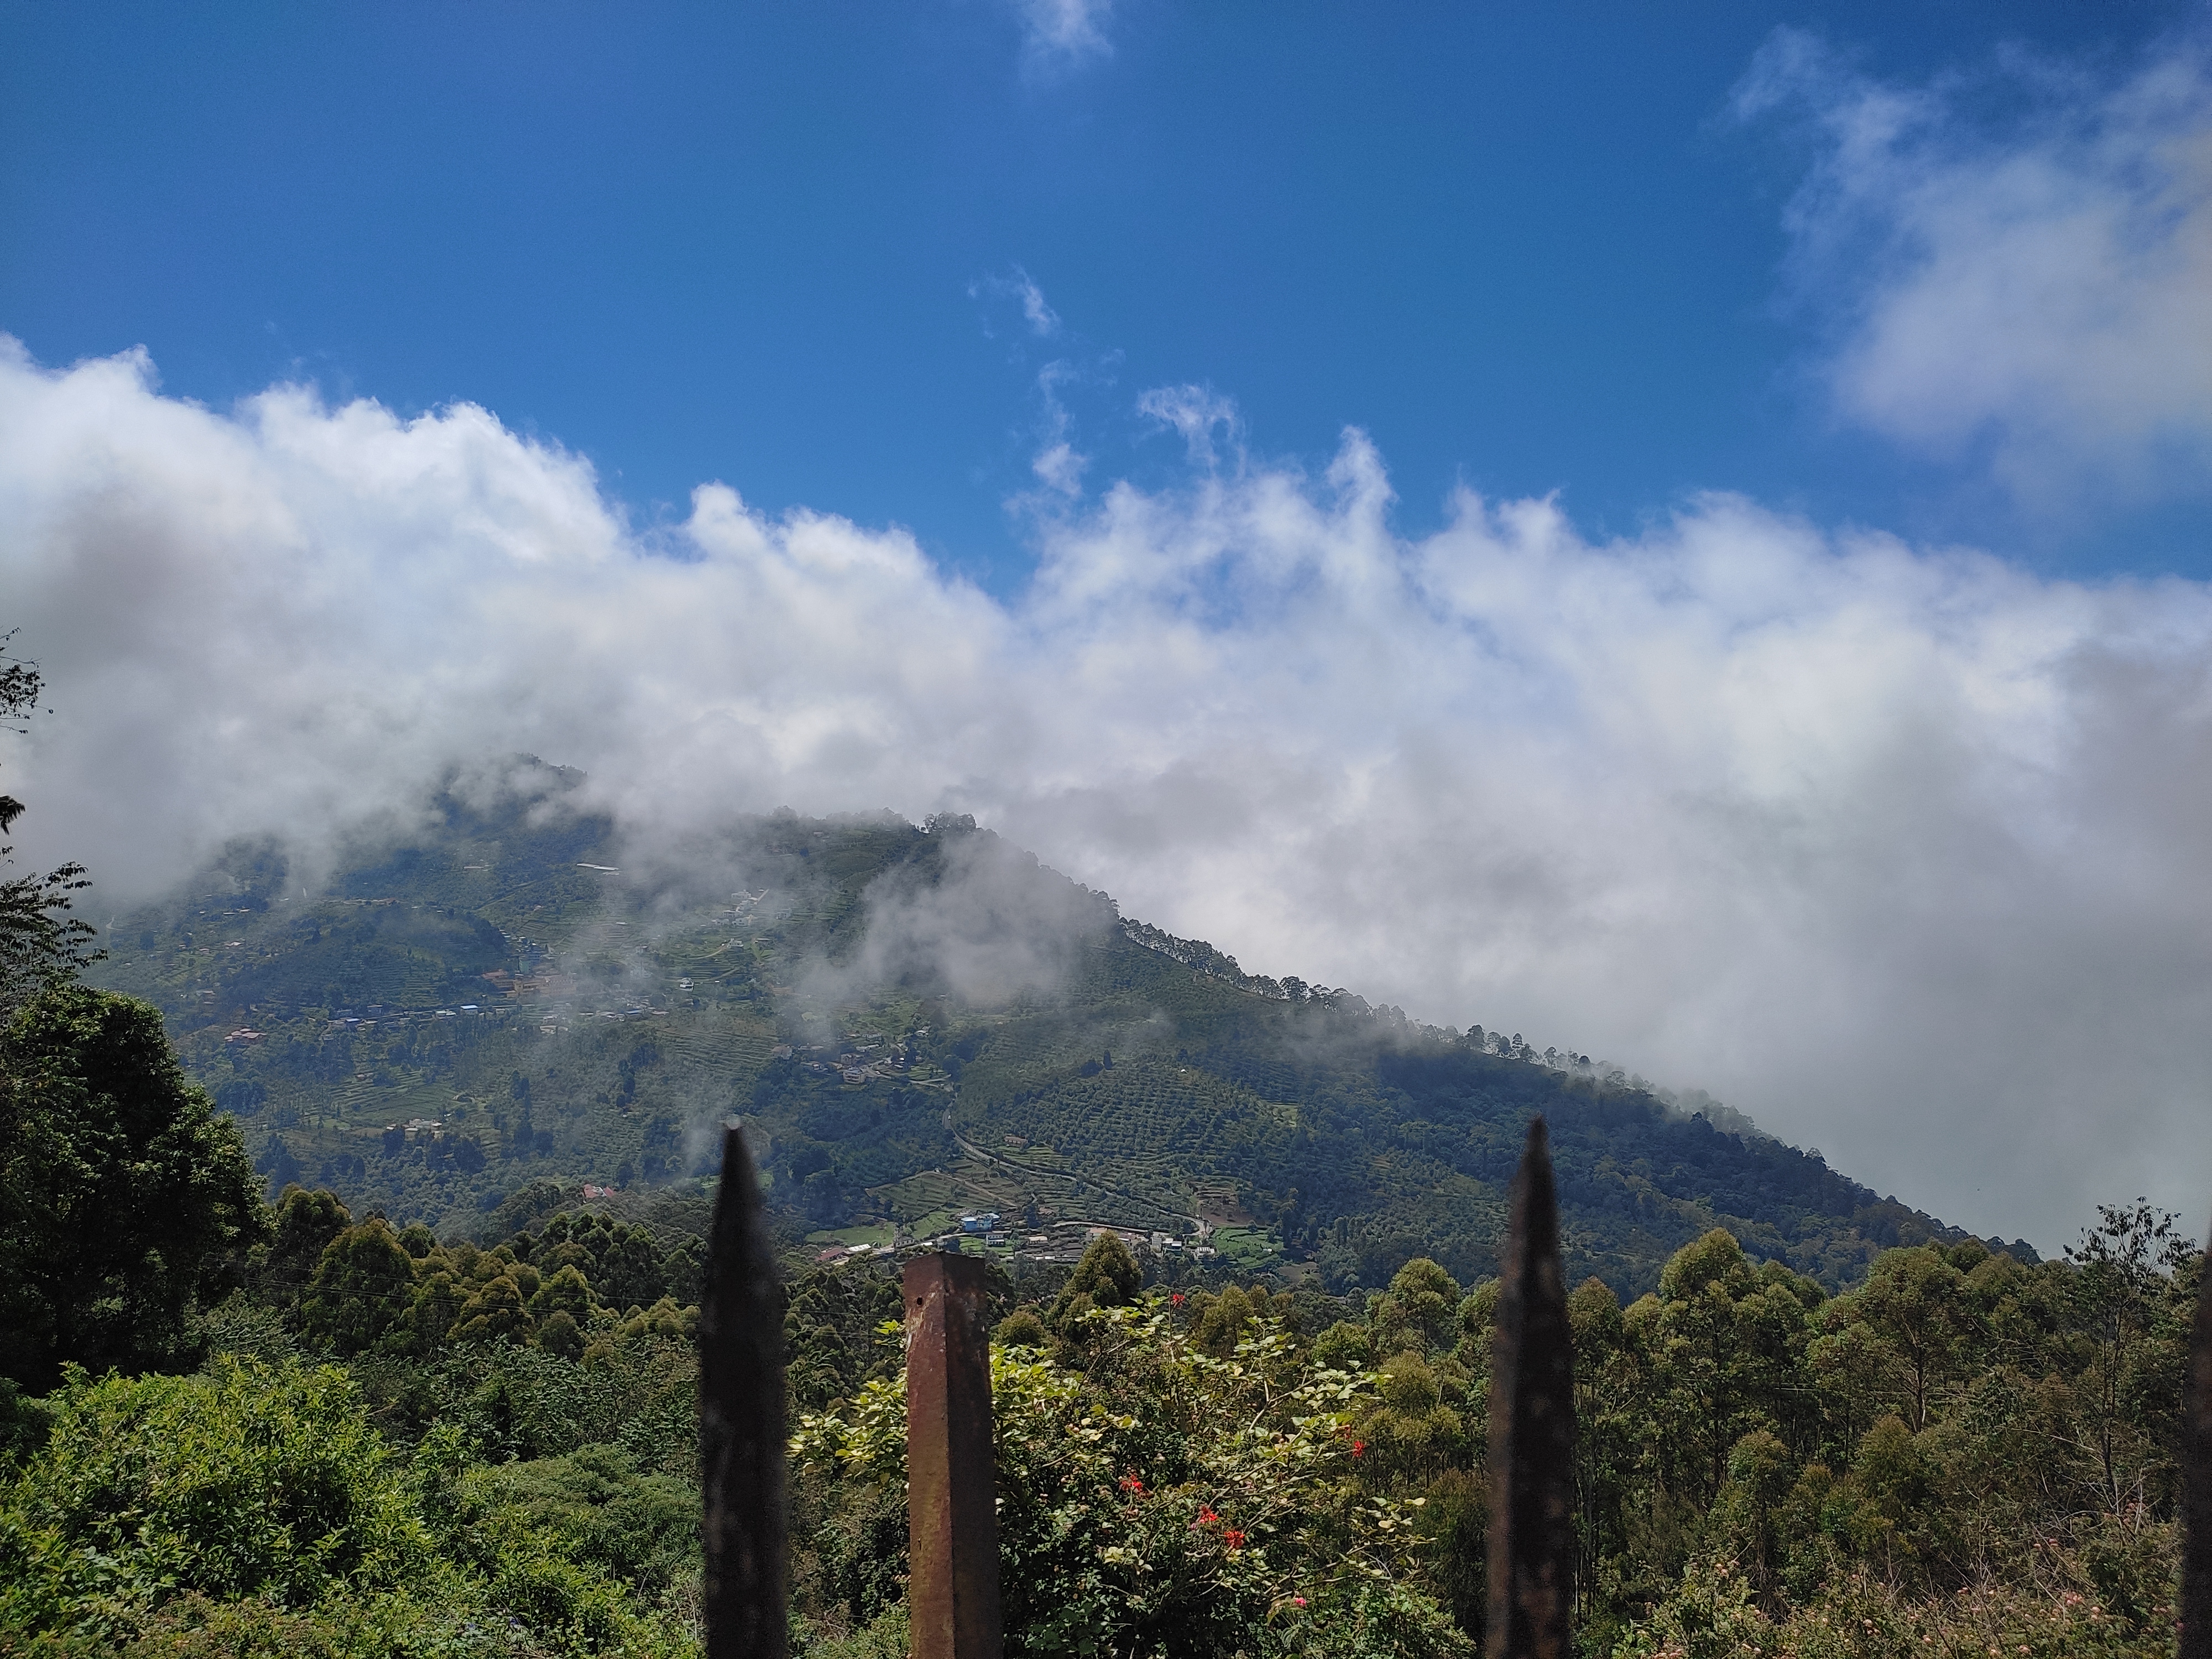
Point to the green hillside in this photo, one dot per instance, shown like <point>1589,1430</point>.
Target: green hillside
<point>913,1022</point>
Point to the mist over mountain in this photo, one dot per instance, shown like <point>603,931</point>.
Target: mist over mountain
<point>1895,848</point>
<point>511,999</point>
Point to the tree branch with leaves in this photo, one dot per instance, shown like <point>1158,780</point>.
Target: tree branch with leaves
<point>41,945</point>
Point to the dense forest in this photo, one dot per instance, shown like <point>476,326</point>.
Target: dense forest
<point>350,1439</point>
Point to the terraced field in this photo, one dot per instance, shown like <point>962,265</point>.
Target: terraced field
<point>1158,1125</point>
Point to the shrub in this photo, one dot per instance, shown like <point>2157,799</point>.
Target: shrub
<point>247,1482</point>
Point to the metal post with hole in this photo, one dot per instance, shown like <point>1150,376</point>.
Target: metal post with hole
<point>951,1479</point>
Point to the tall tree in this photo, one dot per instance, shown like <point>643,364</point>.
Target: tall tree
<point>2126,1263</point>
<point>122,1193</point>
<point>41,945</point>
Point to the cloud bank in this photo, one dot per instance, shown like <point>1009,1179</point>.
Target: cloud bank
<point>1900,851</point>
<point>2017,263</point>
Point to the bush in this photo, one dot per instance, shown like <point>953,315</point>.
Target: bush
<point>600,1507</point>
<point>24,1423</point>
<point>508,1401</point>
<point>248,1482</point>
<point>254,1511</point>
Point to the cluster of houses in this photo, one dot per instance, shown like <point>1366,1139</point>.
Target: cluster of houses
<point>856,1062</point>
<point>837,1253</point>
<point>560,1016</point>
<point>1064,1243</point>
<point>533,985</point>
<point>344,1019</point>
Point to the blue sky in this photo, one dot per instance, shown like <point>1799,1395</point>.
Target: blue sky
<point>1685,533</point>
<point>1525,249</point>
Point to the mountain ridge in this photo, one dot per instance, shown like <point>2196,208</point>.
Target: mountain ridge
<point>914,1022</point>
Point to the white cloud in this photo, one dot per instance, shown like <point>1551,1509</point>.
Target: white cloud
<point>1195,411</point>
<point>1058,465</point>
<point>1901,852</point>
<point>1037,315</point>
<point>1058,34</point>
<point>2021,261</point>
<point>1042,318</point>
<point>1059,469</point>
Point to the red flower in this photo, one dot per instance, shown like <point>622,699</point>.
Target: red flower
<point>1233,1538</point>
<point>1206,1517</point>
<point>1177,1299</point>
<point>1358,1447</point>
<point>1297,1601</point>
<point>1133,1487</point>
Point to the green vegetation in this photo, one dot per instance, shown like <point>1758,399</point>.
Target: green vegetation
<point>914,1023</point>
<point>1965,1451</point>
<point>40,943</point>
<point>257,1509</point>
<point>389,1446</point>
<point>121,1193</point>
<point>329,1435</point>
<point>445,1403</point>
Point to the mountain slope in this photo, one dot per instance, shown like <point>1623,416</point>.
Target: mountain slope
<point>914,1022</point>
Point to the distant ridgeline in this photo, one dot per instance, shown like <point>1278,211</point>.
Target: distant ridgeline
<point>916,1025</point>
<point>1201,957</point>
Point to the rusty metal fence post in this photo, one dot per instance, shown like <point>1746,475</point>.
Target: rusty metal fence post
<point>741,1425</point>
<point>1532,1429</point>
<point>952,1472</point>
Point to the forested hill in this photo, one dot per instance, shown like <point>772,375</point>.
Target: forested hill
<point>914,1023</point>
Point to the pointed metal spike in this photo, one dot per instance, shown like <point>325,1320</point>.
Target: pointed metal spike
<point>2196,1483</point>
<point>741,1425</point>
<point>1532,1429</point>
